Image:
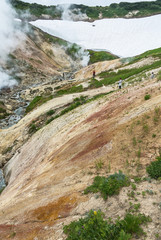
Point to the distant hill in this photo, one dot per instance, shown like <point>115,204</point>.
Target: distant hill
<point>123,10</point>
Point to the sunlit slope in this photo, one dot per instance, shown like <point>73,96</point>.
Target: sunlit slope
<point>48,173</point>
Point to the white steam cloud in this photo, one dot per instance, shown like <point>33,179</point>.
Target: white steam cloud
<point>5,80</point>
<point>84,55</point>
<point>9,38</point>
<point>68,14</point>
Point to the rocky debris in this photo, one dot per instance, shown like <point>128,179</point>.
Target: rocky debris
<point>131,14</point>
<point>14,106</point>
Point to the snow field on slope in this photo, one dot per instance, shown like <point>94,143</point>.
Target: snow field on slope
<point>123,37</point>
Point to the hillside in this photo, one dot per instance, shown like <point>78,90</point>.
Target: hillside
<point>88,13</point>
<point>40,57</point>
<point>48,165</point>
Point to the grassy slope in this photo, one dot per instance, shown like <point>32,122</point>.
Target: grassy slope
<point>100,56</point>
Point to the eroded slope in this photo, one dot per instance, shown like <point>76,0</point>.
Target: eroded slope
<point>47,175</point>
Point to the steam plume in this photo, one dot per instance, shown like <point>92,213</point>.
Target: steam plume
<point>9,38</point>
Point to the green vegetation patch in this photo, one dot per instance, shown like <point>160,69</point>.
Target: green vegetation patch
<point>100,56</point>
<point>108,186</point>
<point>94,83</point>
<point>93,226</point>
<point>112,77</point>
<point>50,112</point>
<point>147,97</point>
<point>36,9</point>
<point>33,128</point>
<point>154,169</point>
<point>37,101</point>
<point>73,89</point>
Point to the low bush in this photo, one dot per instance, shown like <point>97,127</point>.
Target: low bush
<point>93,226</point>
<point>154,169</point>
<point>50,112</point>
<point>32,128</point>
<point>147,97</point>
<point>108,186</point>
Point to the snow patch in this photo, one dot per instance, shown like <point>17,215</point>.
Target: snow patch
<point>122,37</point>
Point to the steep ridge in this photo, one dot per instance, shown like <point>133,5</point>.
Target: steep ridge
<point>40,57</point>
<point>47,175</point>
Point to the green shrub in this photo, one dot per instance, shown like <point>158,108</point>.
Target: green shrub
<point>99,164</point>
<point>133,186</point>
<point>145,128</point>
<point>131,223</point>
<point>154,169</point>
<point>147,97</point>
<point>50,112</point>
<point>93,226</point>
<point>32,128</point>
<point>52,118</point>
<point>108,186</point>
<point>124,236</point>
<point>137,179</point>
